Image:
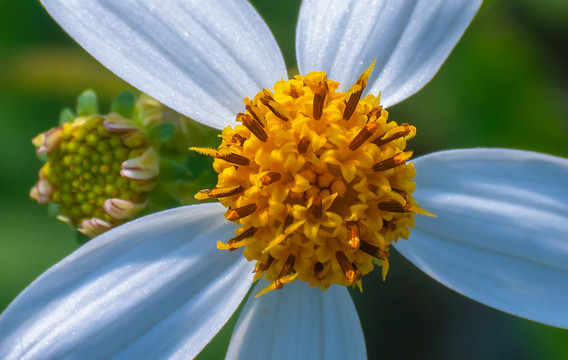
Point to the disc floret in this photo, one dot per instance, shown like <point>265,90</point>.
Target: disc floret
<point>317,180</point>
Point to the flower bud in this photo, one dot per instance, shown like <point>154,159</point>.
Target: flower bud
<point>104,170</point>
<point>99,170</point>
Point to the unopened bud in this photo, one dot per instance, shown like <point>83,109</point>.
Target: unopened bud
<point>99,168</point>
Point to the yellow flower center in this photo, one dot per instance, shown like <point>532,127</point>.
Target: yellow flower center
<point>317,180</point>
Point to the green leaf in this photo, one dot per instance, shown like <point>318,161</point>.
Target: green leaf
<point>124,104</point>
<point>87,103</point>
<point>162,133</point>
<point>171,170</point>
<point>66,116</point>
<point>43,158</point>
<point>53,209</point>
<point>81,238</point>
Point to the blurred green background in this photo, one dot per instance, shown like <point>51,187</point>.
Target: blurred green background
<point>505,85</point>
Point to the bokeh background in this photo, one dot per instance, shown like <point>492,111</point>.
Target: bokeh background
<point>505,85</point>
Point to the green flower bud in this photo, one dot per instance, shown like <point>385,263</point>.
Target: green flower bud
<point>103,170</point>
<point>99,169</point>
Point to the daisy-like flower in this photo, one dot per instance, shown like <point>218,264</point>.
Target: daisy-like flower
<point>158,287</point>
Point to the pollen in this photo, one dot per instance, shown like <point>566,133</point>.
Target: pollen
<point>317,180</point>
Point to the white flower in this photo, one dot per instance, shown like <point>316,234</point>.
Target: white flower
<point>158,287</point>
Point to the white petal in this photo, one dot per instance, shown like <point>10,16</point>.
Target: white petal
<point>298,322</point>
<point>156,287</point>
<point>409,38</point>
<point>501,235</point>
<point>199,57</point>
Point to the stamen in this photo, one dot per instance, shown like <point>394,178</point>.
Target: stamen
<point>404,130</point>
<point>235,159</point>
<point>218,192</point>
<point>358,274</point>
<point>393,161</point>
<point>345,266</point>
<point>319,98</point>
<point>274,106</point>
<point>278,284</point>
<point>288,221</point>
<point>353,228</point>
<point>356,91</point>
<point>285,233</point>
<point>248,233</point>
<point>260,267</point>
<point>389,225</point>
<point>373,250</point>
<point>255,115</point>
<point>238,139</point>
<point>352,104</point>
<point>255,127</point>
<point>270,178</point>
<point>316,208</point>
<point>363,135</point>
<point>303,145</point>
<point>286,270</point>
<point>233,246</point>
<point>401,192</point>
<point>393,206</point>
<point>376,112</point>
<point>241,212</point>
<point>238,241</point>
<point>229,157</point>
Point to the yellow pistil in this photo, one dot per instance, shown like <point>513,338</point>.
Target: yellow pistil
<point>317,180</point>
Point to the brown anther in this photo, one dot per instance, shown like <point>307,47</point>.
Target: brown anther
<point>255,127</point>
<point>351,104</point>
<point>235,159</point>
<point>270,178</point>
<point>288,221</point>
<point>358,274</point>
<point>345,265</point>
<point>363,135</point>
<point>356,91</point>
<point>238,139</point>
<point>255,115</point>
<point>389,225</point>
<point>393,161</point>
<point>294,91</point>
<point>404,130</point>
<point>286,270</point>
<point>375,113</point>
<point>244,235</point>
<point>353,228</point>
<point>303,145</point>
<point>373,250</point>
<point>240,240</point>
<point>318,268</point>
<point>400,192</point>
<point>219,192</point>
<point>274,106</point>
<point>393,206</point>
<point>241,212</point>
<point>316,208</point>
<point>319,99</point>
<point>262,267</point>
